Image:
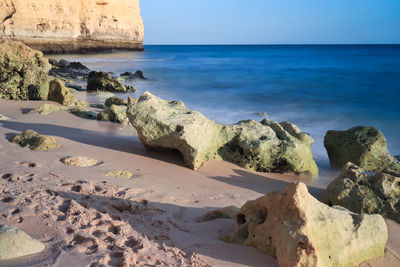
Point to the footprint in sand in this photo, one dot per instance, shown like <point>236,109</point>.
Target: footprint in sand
<point>28,164</point>
<point>80,161</point>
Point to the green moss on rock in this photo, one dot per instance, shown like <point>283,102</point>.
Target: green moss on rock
<point>123,174</point>
<point>115,101</point>
<point>23,72</point>
<point>35,141</point>
<point>265,146</point>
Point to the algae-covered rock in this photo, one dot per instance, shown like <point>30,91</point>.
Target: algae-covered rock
<point>79,161</point>
<point>47,109</point>
<point>298,230</point>
<point>228,212</point>
<point>359,192</point>
<point>63,95</point>
<point>102,81</point>
<point>114,114</point>
<point>265,146</point>
<point>123,174</point>
<point>84,113</point>
<point>363,146</point>
<point>116,101</point>
<point>35,141</point>
<point>23,72</point>
<point>15,243</point>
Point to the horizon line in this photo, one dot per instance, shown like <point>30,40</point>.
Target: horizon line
<point>276,44</point>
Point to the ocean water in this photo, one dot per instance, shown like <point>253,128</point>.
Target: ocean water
<point>316,87</point>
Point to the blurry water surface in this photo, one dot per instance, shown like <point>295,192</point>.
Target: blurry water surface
<point>316,87</point>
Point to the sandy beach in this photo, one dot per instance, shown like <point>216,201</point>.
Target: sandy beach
<point>88,219</point>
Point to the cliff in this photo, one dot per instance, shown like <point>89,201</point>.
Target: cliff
<point>55,26</point>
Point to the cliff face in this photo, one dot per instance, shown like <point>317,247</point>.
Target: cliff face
<point>73,25</point>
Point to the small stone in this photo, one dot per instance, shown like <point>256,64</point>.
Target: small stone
<point>228,212</point>
<point>79,161</point>
<point>102,81</point>
<point>35,141</point>
<point>129,76</point>
<point>116,101</point>
<point>15,243</point>
<point>47,109</point>
<point>114,114</point>
<point>84,113</point>
<point>120,174</point>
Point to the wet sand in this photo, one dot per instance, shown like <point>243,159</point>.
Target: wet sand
<point>84,217</point>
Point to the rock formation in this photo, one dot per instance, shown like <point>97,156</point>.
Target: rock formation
<point>35,141</point>
<point>23,72</point>
<point>75,25</point>
<point>298,230</point>
<point>114,114</point>
<point>102,81</point>
<point>363,146</point>
<point>359,192</point>
<point>62,95</point>
<point>15,243</point>
<point>116,101</point>
<point>265,146</point>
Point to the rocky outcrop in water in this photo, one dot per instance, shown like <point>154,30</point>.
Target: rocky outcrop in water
<point>103,81</point>
<point>35,141</point>
<point>261,146</point>
<point>298,230</point>
<point>15,243</point>
<point>64,69</point>
<point>360,192</point>
<point>23,72</point>
<point>129,76</point>
<point>75,25</point>
<point>363,146</point>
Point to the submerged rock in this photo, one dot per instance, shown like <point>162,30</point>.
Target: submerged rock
<point>129,76</point>
<point>15,243</point>
<point>47,109</point>
<point>79,161</point>
<point>298,230</point>
<point>359,192</point>
<point>116,101</point>
<point>363,146</point>
<point>123,174</point>
<point>261,146</point>
<point>23,72</point>
<point>62,95</point>
<point>35,141</point>
<point>114,114</point>
<point>84,113</point>
<point>228,212</point>
<point>102,81</point>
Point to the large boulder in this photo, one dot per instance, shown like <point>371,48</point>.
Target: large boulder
<point>103,81</point>
<point>359,192</point>
<point>23,72</point>
<point>363,146</point>
<point>298,230</point>
<point>114,114</point>
<point>62,95</point>
<point>261,146</point>
<point>35,141</point>
<point>15,243</point>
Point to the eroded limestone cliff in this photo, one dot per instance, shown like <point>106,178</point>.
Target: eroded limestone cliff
<point>73,25</point>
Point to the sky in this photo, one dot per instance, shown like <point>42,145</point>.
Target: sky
<point>271,21</point>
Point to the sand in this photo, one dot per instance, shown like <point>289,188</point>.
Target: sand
<point>86,218</point>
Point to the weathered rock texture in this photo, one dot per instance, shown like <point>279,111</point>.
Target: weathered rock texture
<point>114,114</point>
<point>15,243</point>
<point>265,146</point>
<point>102,81</point>
<point>35,141</point>
<point>75,25</point>
<point>62,95</point>
<point>298,230</point>
<point>363,146</point>
<point>359,192</point>
<point>23,72</point>
<point>116,101</point>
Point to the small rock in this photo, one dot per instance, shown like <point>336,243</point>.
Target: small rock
<point>364,146</point>
<point>120,174</point>
<point>15,243</point>
<point>84,113</point>
<point>47,109</point>
<point>77,66</point>
<point>114,114</point>
<point>224,213</point>
<point>133,76</point>
<point>298,230</point>
<point>116,101</point>
<point>132,100</point>
<point>102,81</point>
<point>74,86</point>
<point>100,106</point>
<point>35,141</point>
<point>62,95</point>
<point>359,192</point>
<point>79,161</point>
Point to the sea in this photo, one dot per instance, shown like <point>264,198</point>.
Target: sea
<point>316,87</point>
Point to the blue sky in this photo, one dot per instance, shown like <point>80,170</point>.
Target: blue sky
<point>270,21</point>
